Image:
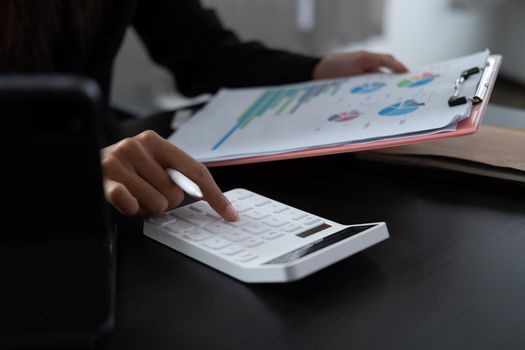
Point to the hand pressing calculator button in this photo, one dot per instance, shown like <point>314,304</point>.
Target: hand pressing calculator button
<point>272,242</point>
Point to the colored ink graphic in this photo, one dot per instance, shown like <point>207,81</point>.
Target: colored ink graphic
<point>400,108</point>
<point>368,88</point>
<point>278,102</point>
<point>344,116</point>
<point>418,80</point>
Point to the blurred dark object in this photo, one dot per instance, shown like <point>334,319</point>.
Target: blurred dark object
<point>56,256</point>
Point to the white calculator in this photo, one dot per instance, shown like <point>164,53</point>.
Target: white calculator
<point>272,242</point>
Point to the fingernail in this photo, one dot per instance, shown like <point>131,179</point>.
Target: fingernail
<point>230,213</point>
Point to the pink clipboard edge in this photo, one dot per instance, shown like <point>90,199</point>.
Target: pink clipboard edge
<point>465,127</point>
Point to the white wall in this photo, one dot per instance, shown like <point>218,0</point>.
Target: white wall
<point>419,32</point>
<point>137,81</point>
<point>307,26</point>
<point>509,38</point>
<point>423,31</point>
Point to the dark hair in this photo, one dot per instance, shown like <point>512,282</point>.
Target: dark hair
<point>28,29</point>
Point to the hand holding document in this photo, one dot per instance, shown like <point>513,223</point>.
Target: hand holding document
<point>361,110</point>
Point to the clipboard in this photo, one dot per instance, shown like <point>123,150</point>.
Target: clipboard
<point>466,127</point>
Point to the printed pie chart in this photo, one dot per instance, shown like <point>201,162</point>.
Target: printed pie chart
<point>367,88</point>
<point>418,80</point>
<point>344,116</point>
<point>400,108</point>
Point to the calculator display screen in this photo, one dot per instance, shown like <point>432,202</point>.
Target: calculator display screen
<point>313,247</point>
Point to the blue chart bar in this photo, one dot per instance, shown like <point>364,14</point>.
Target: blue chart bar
<point>245,119</point>
<point>278,101</point>
<point>336,85</point>
<point>270,102</point>
<point>289,96</point>
<point>305,98</point>
<point>316,91</point>
<point>322,90</point>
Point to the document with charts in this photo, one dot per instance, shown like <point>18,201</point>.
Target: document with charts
<point>250,122</point>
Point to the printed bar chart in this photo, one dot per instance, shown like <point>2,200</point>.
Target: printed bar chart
<point>278,102</point>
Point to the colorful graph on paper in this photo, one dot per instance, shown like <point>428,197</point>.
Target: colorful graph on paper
<point>344,116</point>
<point>368,88</point>
<point>280,102</point>
<point>400,108</point>
<point>418,80</point>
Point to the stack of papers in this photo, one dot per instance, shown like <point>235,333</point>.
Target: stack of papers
<point>240,123</point>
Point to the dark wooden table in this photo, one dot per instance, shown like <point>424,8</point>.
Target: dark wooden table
<point>451,276</point>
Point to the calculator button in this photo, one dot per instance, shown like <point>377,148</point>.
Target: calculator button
<point>257,201</point>
<point>272,235</point>
<point>296,215</point>
<point>162,219</point>
<point>261,202</point>
<point>277,208</point>
<point>257,214</point>
<point>275,221</point>
<point>239,223</point>
<point>201,207</point>
<point>244,196</point>
<point>192,216</point>
<point>236,236</point>
<point>216,243</point>
<point>238,195</point>
<point>252,242</point>
<point>214,215</point>
<point>179,226</point>
<point>247,256</point>
<point>291,228</point>
<point>233,250</point>
<point>196,235</point>
<point>206,209</point>
<point>241,207</point>
<point>217,227</point>
<point>196,208</point>
<point>256,228</point>
<point>310,220</point>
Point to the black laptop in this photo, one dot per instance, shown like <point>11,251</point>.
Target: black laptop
<point>56,247</point>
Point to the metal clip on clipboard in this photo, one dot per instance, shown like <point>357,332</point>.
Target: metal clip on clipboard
<point>481,90</point>
<point>456,100</point>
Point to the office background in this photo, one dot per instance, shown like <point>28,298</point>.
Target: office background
<point>416,32</point>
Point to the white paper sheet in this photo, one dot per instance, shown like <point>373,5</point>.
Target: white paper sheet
<point>269,120</point>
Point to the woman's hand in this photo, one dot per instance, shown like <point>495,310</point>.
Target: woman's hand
<point>353,63</point>
<point>136,181</point>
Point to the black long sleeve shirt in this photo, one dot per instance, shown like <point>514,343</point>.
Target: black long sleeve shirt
<point>185,38</point>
